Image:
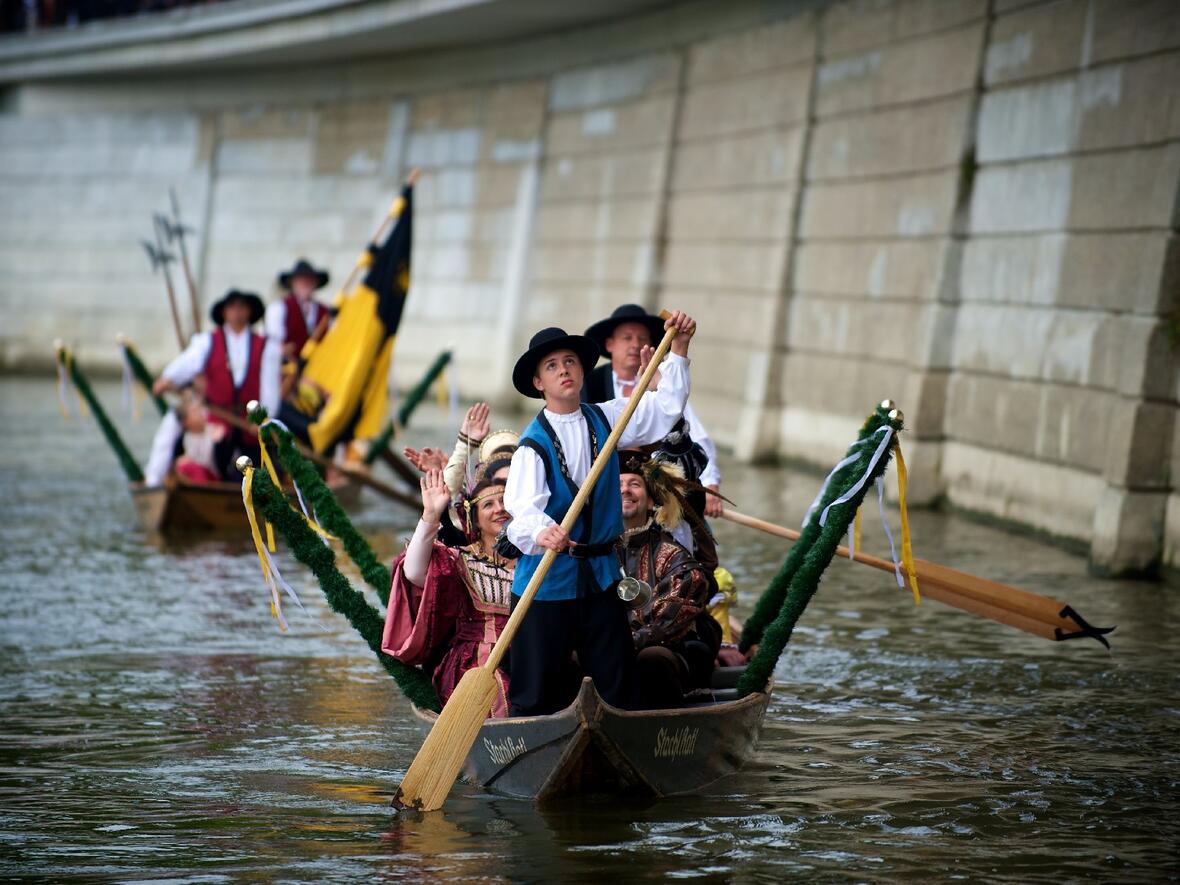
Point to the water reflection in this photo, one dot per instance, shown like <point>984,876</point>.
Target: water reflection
<point>156,724</point>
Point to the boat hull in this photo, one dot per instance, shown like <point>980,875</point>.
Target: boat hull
<point>593,748</point>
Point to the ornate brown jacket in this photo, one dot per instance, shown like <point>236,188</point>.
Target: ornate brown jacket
<point>680,586</point>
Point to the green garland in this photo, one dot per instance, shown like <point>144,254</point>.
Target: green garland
<point>126,461</point>
<point>342,597</point>
<point>816,556</point>
<point>141,373</point>
<point>326,508</point>
<point>415,396</point>
<point>771,601</point>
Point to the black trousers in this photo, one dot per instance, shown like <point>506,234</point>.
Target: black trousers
<point>542,677</point>
<point>225,453</point>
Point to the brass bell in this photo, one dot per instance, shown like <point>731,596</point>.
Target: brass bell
<point>243,463</point>
<point>896,415</point>
<point>887,404</point>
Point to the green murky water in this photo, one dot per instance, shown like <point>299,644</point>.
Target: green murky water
<point>157,726</point>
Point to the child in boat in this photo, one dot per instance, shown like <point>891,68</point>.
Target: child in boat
<point>447,606</point>
<point>576,608</point>
<point>196,462</point>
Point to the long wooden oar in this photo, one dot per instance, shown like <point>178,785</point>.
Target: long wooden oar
<point>433,771</point>
<point>1022,609</point>
<point>360,476</point>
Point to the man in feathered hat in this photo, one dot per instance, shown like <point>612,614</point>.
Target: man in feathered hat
<point>576,608</point>
<point>620,338</point>
<point>297,316</point>
<point>236,365</point>
<point>675,637</point>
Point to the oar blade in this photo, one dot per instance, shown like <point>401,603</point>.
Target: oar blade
<point>440,759</point>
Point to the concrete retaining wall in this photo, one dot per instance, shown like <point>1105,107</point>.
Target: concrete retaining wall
<point>968,206</point>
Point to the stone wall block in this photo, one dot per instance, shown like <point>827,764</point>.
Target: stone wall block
<point>879,269</point>
<point>636,124</point>
<point>742,319</point>
<point>746,215</point>
<point>725,266</point>
<point>610,175</point>
<point>1037,41</point>
<point>259,122</point>
<point>1125,28</point>
<point>852,26</point>
<point>886,329</point>
<point>778,98</point>
<point>608,84</point>
<point>617,219</point>
<point>1128,532</point>
<point>1133,355</point>
<point>1139,443</point>
<point>760,158</point>
<point>1126,189</point>
<point>453,109</point>
<point>913,139</point>
<point>901,73</point>
<point>775,45</point>
<point>832,384</point>
<point>916,206</point>
<point>924,403</point>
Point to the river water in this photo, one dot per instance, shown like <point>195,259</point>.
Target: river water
<point>156,725</point>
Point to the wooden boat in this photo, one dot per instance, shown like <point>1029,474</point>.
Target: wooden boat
<point>179,506</point>
<point>591,747</point>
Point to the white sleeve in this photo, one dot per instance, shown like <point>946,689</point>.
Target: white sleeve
<point>191,361</point>
<point>268,377</point>
<point>525,496</point>
<point>455,472</point>
<point>711,475</point>
<point>163,445</point>
<point>417,561</point>
<point>275,322</point>
<point>658,410</point>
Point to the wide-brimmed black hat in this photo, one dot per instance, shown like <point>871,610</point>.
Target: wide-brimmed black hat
<point>303,268</point>
<point>540,346</point>
<point>257,308</point>
<point>626,313</point>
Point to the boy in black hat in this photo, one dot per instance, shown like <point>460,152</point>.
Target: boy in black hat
<point>296,317</point>
<point>236,365</point>
<point>576,607</point>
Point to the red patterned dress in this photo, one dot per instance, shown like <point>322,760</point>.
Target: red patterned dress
<point>450,624</point>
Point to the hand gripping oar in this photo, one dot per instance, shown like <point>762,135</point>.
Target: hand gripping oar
<point>1031,612</point>
<point>433,771</point>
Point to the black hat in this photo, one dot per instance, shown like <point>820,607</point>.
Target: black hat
<point>303,267</point>
<point>257,309</point>
<point>627,313</point>
<point>541,345</point>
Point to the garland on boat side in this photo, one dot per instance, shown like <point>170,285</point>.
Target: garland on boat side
<point>310,550</point>
<point>325,506</point>
<point>770,603</point>
<point>67,363</point>
<point>414,397</point>
<point>815,557</point>
<point>141,373</point>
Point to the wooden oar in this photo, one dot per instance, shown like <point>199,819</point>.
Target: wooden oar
<point>1022,609</point>
<point>433,771</point>
<point>360,476</point>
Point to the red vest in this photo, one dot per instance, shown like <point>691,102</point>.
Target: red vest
<point>297,331</point>
<point>219,380</point>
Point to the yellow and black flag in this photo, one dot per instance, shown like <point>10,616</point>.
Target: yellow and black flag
<point>351,363</point>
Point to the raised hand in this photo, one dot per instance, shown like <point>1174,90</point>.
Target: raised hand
<point>426,458</point>
<point>645,354</point>
<point>685,327</point>
<point>436,497</point>
<point>476,425</point>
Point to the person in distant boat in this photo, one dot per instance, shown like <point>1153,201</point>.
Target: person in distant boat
<point>621,338</point>
<point>676,639</point>
<point>577,607</point>
<point>185,442</point>
<point>297,316</point>
<point>237,365</point>
<point>494,452</point>
<point>447,606</point>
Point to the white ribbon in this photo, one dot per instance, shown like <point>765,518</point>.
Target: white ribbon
<point>63,390</point>
<point>127,407</point>
<point>848,495</point>
<point>888,534</point>
<point>823,490</point>
<point>298,493</point>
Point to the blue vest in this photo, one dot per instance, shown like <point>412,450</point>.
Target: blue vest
<point>600,522</point>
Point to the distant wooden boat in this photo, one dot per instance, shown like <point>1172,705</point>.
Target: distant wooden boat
<point>591,747</point>
<point>178,506</point>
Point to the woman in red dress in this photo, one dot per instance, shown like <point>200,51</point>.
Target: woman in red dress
<point>448,605</point>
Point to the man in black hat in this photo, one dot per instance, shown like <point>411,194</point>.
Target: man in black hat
<point>576,608</point>
<point>235,365</point>
<point>297,316</point>
<point>621,338</point>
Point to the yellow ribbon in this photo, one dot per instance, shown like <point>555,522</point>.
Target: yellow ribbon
<point>855,532</point>
<point>907,551</point>
<point>82,409</point>
<point>440,391</point>
<point>276,606</point>
<point>274,477</point>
